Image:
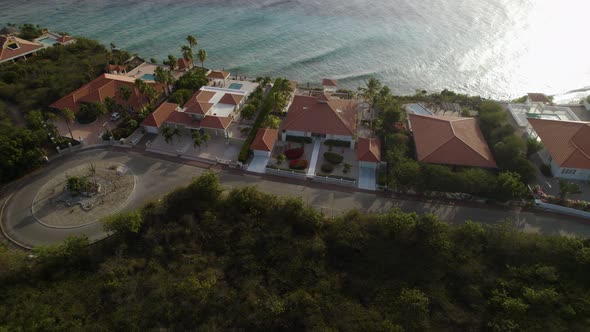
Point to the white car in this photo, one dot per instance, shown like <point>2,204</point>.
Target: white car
<point>115,116</point>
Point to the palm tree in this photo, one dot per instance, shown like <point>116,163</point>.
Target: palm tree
<point>206,138</point>
<point>187,53</point>
<point>141,87</point>
<point>68,115</point>
<point>169,133</point>
<point>162,76</point>
<point>370,91</point>
<point>172,61</point>
<point>202,56</point>
<point>125,93</point>
<point>192,41</point>
<point>197,139</point>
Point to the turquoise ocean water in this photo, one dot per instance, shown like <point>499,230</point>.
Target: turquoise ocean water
<point>495,48</point>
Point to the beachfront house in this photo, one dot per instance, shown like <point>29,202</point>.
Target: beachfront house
<point>218,78</point>
<point>450,141</point>
<point>536,108</point>
<point>329,85</point>
<point>49,39</point>
<point>566,147</point>
<point>106,86</point>
<point>183,65</point>
<point>321,118</point>
<point>13,48</point>
<point>537,98</point>
<point>155,120</point>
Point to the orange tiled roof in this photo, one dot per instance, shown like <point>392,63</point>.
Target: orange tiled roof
<point>368,149</point>
<point>334,117</point>
<point>218,74</point>
<point>182,118</point>
<point>215,122</point>
<point>265,139</point>
<point>64,39</point>
<point>160,115</point>
<point>329,82</point>
<point>106,85</point>
<point>568,142</point>
<point>24,47</point>
<point>203,96</point>
<point>450,141</point>
<point>231,99</point>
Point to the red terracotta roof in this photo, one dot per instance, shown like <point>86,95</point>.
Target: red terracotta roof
<point>231,99</point>
<point>182,118</point>
<point>334,117</point>
<point>23,47</point>
<point>106,85</point>
<point>203,96</point>
<point>450,141</point>
<point>265,139</point>
<point>538,98</point>
<point>329,82</point>
<point>369,150</point>
<point>160,115</point>
<point>64,39</point>
<point>216,122</point>
<point>218,74</point>
<point>568,142</point>
<point>183,63</point>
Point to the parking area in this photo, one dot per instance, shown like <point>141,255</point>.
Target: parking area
<point>87,133</point>
<point>218,148</point>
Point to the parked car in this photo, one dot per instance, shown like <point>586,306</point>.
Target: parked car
<point>115,116</point>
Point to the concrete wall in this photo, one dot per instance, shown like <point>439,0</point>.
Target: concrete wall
<point>564,173</point>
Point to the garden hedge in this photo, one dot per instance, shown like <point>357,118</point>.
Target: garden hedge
<point>299,139</point>
<point>333,158</point>
<point>327,168</point>
<point>339,143</point>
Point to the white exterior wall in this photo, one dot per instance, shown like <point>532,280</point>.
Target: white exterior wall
<point>258,153</point>
<point>330,88</point>
<point>367,164</point>
<point>564,173</point>
<point>150,129</point>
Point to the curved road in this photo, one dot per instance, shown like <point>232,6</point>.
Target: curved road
<point>156,177</point>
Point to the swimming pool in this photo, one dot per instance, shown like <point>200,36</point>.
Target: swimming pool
<point>418,109</point>
<point>47,41</point>
<point>235,86</point>
<point>148,77</point>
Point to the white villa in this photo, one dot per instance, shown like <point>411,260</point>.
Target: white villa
<point>521,113</point>
<point>329,85</point>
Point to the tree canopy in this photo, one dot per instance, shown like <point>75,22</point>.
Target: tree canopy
<point>243,260</point>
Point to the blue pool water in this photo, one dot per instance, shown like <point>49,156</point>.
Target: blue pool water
<point>418,109</point>
<point>48,41</point>
<point>148,77</point>
<point>235,86</point>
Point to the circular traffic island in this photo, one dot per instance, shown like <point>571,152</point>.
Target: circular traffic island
<point>83,195</point>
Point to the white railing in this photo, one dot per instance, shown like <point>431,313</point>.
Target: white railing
<point>332,180</point>
<point>280,172</point>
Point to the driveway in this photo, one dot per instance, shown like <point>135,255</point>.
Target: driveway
<point>258,164</point>
<point>367,179</point>
<point>156,177</point>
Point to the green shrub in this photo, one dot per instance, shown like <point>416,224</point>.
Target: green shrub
<point>339,143</point>
<point>333,157</point>
<point>299,139</point>
<point>298,164</point>
<point>327,168</point>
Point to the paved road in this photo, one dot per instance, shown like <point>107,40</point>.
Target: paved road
<point>155,177</point>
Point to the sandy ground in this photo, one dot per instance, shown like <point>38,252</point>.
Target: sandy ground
<point>115,190</point>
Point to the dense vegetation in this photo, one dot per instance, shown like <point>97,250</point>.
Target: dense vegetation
<point>203,260</point>
<point>31,86</point>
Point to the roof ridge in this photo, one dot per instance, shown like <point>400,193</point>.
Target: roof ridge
<point>466,143</point>
<point>576,145</point>
<point>439,146</point>
<point>340,117</point>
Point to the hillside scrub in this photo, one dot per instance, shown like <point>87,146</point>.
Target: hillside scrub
<point>243,260</point>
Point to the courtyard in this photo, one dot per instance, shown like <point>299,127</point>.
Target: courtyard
<point>218,148</point>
